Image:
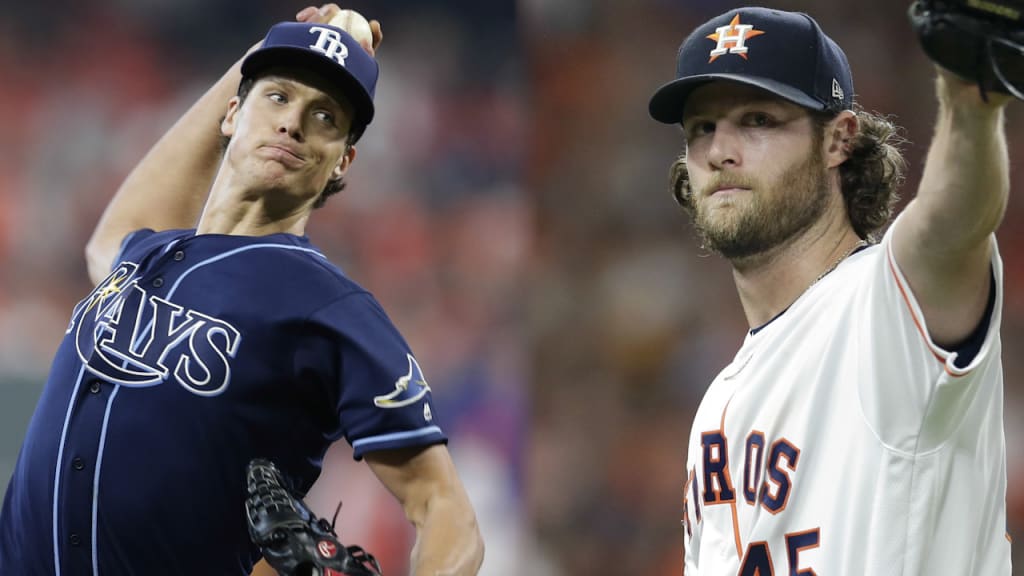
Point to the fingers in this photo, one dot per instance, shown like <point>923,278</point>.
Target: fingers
<point>328,11</point>
<point>306,13</point>
<point>318,15</point>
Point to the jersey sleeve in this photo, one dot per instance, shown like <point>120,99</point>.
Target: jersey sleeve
<point>915,393</point>
<point>382,398</point>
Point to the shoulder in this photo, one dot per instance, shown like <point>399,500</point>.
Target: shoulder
<point>299,267</point>
<point>277,265</point>
<point>139,243</point>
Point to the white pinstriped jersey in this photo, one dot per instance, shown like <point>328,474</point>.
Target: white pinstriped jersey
<point>841,440</point>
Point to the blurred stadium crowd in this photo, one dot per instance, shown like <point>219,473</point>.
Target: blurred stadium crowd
<point>509,207</point>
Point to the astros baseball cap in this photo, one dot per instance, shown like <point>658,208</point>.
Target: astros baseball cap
<point>327,50</point>
<point>785,53</point>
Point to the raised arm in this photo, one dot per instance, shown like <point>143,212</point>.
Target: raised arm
<point>943,243</point>
<point>448,541</point>
<point>168,187</point>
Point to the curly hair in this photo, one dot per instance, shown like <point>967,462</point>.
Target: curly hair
<point>332,187</point>
<point>870,177</point>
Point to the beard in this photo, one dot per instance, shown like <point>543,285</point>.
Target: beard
<point>767,215</point>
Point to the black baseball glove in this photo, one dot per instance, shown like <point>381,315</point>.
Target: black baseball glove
<point>979,40</point>
<point>293,540</point>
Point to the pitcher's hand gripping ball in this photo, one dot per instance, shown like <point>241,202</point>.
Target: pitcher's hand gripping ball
<point>294,541</point>
<point>357,27</point>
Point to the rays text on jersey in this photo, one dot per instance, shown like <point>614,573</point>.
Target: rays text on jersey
<point>133,338</point>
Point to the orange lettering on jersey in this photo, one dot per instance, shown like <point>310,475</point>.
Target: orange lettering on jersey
<point>686,504</point>
<point>717,483</point>
<point>757,561</point>
<point>778,485</point>
<point>797,542</point>
<point>753,462</point>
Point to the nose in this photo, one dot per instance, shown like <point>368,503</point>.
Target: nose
<point>289,122</point>
<point>724,149</point>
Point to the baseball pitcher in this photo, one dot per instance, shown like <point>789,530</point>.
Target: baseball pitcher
<point>858,430</point>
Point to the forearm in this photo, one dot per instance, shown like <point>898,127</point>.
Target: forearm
<point>943,242</point>
<point>448,541</point>
<point>168,187</point>
<point>965,184</point>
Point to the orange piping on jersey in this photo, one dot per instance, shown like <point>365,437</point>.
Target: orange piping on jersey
<point>736,529</point>
<point>732,505</point>
<point>917,322</point>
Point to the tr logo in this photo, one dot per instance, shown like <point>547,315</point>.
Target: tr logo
<point>129,337</point>
<point>329,44</point>
<point>732,39</point>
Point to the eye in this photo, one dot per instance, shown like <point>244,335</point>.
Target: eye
<point>324,116</point>
<point>699,128</point>
<point>758,120</point>
<point>277,97</point>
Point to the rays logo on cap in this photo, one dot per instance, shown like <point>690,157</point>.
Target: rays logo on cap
<point>409,389</point>
<point>732,39</point>
<point>329,44</point>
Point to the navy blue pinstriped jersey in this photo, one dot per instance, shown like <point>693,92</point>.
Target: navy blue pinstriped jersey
<point>196,354</point>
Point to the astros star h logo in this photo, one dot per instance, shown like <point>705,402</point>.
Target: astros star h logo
<point>732,39</point>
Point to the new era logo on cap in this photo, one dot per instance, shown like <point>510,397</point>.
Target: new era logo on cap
<point>837,90</point>
<point>330,52</point>
<point>785,53</point>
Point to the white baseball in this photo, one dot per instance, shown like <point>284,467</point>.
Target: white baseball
<point>358,27</point>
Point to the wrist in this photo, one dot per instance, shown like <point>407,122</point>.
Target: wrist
<point>956,93</point>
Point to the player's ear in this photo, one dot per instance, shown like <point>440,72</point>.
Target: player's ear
<point>839,135</point>
<point>227,125</point>
<point>343,164</point>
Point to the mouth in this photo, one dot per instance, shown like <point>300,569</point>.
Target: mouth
<point>284,155</point>
<point>727,190</point>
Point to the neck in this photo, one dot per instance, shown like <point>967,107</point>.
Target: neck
<point>234,208</point>
<point>770,282</point>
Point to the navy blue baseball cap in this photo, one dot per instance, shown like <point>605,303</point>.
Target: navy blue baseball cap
<point>785,53</point>
<point>327,50</point>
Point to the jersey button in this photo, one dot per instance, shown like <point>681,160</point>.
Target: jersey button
<point>94,387</point>
<point>158,282</point>
<point>78,464</point>
<point>74,539</point>
<point>179,256</point>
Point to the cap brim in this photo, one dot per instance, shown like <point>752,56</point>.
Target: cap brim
<point>288,57</point>
<point>668,102</point>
